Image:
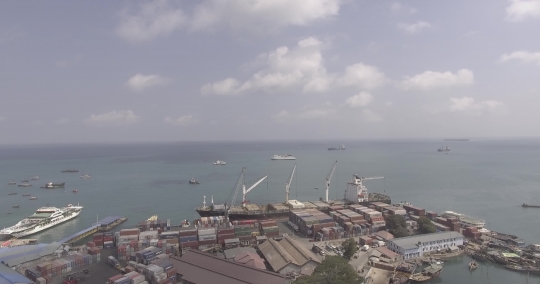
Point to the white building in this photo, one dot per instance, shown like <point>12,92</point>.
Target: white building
<point>416,246</point>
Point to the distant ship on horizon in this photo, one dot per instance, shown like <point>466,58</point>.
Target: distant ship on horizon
<point>444,149</point>
<point>342,147</point>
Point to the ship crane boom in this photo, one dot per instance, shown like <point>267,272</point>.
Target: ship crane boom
<point>233,195</point>
<point>245,191</point>
<point>288,184</point>
<point>329,178</point>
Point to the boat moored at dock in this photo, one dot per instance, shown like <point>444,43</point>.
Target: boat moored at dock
<point>44,218</point>
<point>464,220</point>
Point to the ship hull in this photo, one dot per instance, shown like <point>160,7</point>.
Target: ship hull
<point>38,228</point>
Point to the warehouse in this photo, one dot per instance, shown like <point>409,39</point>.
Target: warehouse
<point>416,246</point>
<point>289,256</point>
<point>10,276</point>
<point>196,267</point>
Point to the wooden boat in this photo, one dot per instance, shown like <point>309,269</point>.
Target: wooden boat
<point>430,272</point>
<point>27,195</point>
<point>473,265</point>
<point>13,193</point>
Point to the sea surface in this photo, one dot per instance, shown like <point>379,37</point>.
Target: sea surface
<point>486,178</point>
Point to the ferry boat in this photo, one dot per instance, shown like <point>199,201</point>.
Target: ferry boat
<point>219,163</point>
<point>465,220</point>
<point>44,218</point>
<point>283,157</point>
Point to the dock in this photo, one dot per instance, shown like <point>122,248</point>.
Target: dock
<point>103,225</point>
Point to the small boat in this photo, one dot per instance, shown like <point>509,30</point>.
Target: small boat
<point>85,176</point>
<point>24,185</point>
<point>75,190</point>
<point>16,206</point>
<point>34,178</point>
<point>70,171</point>
<point>54,185</point>
<point>219,163</point>
<point>12,183</point>
<point>27,195</point>
<point>25,180</point>
<point>12,193</point>
<point>428,273</point>
<point>32,198</point>
<point>473,265</point>
<point>193,181</point>
<point>444,149</point>
<point>283,157</point>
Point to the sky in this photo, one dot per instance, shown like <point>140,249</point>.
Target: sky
<point>142,71</point>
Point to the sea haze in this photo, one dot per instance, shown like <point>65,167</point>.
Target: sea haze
<point>485,178</point>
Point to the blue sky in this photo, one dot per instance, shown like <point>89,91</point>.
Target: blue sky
<point>118,71</point>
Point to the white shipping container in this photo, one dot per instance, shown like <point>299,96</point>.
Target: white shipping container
<point>207,237</point>
<point>160,276</point>
<point>206,231</point>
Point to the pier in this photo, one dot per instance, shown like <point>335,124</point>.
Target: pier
<point>103,225</point>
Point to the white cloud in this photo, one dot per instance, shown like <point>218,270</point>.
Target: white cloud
<point>261,15</point>
<point>431,80</point>
<point>301,66</point>
<point>361,100</point>
<point>398,7</point>
<point>413,28</point>
<point>2,119</point>
<point>140,82</point>
<point>113,118</point>
<point>160,18</point>
<point>468,104</point>
<point>157,18</point>
<point>181,121</point>
<point>395,6</point>
<point>362,76</point>
<point>523,56</point>
<point>520,10</point>
<point>306,113</point>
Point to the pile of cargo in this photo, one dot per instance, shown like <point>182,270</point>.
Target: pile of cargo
<point>188,238</point>
<point>155,225</point>
<point>147,255</point>
<point>102,240</point>
<point>415,210</point>
<point>393,210</point>
<point>127,236</point>
<point>269,228</point>
<point>225,234</point>
<point>310,221</point>
<point>243,233</point>
<point>45,271</point>
<point>128,278</point>
<point>331,233</point>
<point>353,223</point>
<point>472,232</point>
<point>212,221</point>
<point>206,237</point>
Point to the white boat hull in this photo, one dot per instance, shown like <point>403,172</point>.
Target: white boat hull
<point>40,228</point>
<point>283,158</point>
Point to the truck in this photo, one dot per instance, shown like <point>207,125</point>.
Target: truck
<point>365,248</point>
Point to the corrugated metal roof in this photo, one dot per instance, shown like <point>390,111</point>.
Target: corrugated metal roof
<point>200,268</point>
<point>17,255</point>
<point>10,276</point>
<point>412,241</point>
<point>251,259</point>
<point>280,254</point>
<point>231,253</point>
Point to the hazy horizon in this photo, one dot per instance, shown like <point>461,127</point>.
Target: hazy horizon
<point>169,71</point>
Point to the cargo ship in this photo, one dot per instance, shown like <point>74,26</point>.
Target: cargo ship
<point>355,193</point>
<point>44,218</point>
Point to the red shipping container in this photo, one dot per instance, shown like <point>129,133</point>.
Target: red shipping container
<point>98,236</point>
<point>108,238</point>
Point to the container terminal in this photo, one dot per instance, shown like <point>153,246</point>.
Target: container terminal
<point>275,249</point>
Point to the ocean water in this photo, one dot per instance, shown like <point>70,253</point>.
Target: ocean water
<point>484,178</point>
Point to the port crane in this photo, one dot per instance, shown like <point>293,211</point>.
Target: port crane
<point>329,178</point>
<point>236,190</point>
<point>288,185</point>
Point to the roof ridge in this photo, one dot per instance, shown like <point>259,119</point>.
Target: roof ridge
<point>283,252</point>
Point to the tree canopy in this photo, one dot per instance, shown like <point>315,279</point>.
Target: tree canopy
<point>397,226</point>
<point>426,226</point>
<point>333,270</point>
<point>349,248</point>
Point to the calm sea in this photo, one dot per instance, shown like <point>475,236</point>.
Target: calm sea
<point>484,178</point>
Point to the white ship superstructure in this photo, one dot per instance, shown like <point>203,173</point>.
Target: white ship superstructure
<point>283,157</point>
<point>464,220</point>
<point>44,218</point>
<point>356,191</point>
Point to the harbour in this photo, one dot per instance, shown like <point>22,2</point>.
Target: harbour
<point>428,185</point>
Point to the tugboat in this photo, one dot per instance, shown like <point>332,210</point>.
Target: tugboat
<point>473,265</point>
<point>428,273</point>
<point>193,181</point>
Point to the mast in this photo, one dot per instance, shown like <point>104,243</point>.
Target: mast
<point>329,178</point>
<point>288,185</point>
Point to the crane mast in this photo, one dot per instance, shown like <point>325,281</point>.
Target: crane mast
<point>233,195</point>
<point>288,185</point>
<point>245,191</point>
<point>329,178</point>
